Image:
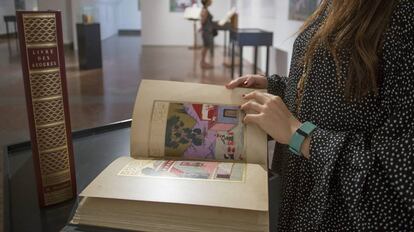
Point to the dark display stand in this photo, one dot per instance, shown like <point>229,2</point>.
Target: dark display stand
<point>10,19</point>
<point>94,149</point>
<point>250,37</point>
<point>89,45</point>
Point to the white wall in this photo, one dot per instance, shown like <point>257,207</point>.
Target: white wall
<point>270,15</point>
<point>162,27</point>
<point>128,15</point>
<point>65,8</point>
<point>31,4</point>
<point>6,8</point>
<point>107,18</point>
<point>103,11</point>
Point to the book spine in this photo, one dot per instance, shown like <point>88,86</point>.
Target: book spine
<point>43,66</point>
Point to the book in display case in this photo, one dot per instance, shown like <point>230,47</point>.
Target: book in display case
<point>44,75</point>
<point>194,166</point>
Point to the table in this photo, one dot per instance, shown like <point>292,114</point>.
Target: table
<point>12,19</point>
<point>195,44</point>
<point>94,149</point>
<point>250,37</point>
<point>225,28</point>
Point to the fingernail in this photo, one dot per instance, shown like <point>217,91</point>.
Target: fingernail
<point>245,83</point>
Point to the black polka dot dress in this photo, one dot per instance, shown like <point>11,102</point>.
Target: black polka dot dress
<point>360,175</point>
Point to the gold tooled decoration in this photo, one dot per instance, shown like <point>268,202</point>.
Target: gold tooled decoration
<point>39,29</point>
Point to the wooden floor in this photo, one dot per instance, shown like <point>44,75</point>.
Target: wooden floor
<point>106,95</point>
<point>99,97</point>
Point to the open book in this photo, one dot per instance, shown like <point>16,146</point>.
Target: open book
<point>194,166</point>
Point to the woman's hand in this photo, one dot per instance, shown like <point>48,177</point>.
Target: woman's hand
<point>271,114</point>
<point>248,81</point>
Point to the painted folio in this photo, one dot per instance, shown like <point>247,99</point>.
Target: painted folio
<point>194,166</point>
<point>43,65</point>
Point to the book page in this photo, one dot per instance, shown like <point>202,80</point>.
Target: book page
<point>194,121</point>
<point>185,169</point>
<point>196,131</point>
<point>124,179</point>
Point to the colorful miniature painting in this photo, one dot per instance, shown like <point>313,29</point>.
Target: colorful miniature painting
<point>180,5</point>
<point>302,9</point>
<point>185,169</point>
<point>202,131</point>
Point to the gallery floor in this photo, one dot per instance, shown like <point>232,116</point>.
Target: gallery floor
<point>99,97</point>
<point>106,95</point>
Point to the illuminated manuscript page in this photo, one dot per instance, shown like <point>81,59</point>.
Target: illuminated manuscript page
<point>249,192</point>
<point>148,125</point>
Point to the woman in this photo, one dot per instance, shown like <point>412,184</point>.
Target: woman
<point>351,85</point>
<point>207,28</point>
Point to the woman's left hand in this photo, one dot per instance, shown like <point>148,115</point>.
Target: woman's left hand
<point>271,114</point>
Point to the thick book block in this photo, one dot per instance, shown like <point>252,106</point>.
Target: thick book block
<point>193,167</point>
<point>43,66</point>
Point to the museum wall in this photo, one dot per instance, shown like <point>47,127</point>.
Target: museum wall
<point>31,4</point>
<point>111,14</point>
<point>162,27</point>
<point>65,7</point>
<point>271,15</point>
<point>103,11</point>
<point>6,8</point>
<point>128,15</point>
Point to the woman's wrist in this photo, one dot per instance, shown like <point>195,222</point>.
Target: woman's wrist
<point>295,125</point>
<point>304,148</point>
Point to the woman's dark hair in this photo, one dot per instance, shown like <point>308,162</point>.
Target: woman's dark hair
<point>356,26</point>
<point>204,2</point>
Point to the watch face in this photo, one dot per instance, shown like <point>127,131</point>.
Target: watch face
<point>299,136</point>
<point>307,128</point>
<point>302,132</point>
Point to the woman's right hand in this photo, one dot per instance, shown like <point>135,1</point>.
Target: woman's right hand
<point>248,81</point>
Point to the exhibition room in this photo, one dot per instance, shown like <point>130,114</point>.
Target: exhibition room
<point>206,115</point>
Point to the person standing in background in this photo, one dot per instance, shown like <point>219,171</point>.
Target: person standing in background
<point>208,30</point>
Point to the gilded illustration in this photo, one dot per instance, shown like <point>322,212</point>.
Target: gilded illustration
<point>200,131</point>
<point>185,169</point>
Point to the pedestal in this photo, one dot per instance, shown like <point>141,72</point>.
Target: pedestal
<point>89,46</point>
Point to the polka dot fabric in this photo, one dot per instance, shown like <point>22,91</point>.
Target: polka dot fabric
<point>360,175</point>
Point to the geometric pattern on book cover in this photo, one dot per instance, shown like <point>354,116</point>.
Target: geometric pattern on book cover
<point>52,162</point>
<point>49,111</point>
<point>45,84</point>
<point>40,32</point>
<point>51,137</point>
<point>40,29</point>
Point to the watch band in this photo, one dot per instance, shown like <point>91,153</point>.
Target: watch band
<point>299,136</point>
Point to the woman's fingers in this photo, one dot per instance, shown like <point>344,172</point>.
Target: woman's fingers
<point>251,105</point>
<point>252,118</point>
<point>236,83</point>
<point>256,95</point>
<point>249,82</point>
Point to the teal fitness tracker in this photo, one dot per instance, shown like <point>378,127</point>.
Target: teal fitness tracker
<point>299,136</point>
